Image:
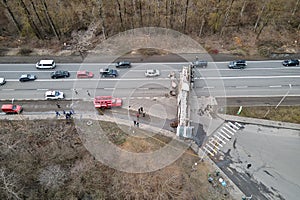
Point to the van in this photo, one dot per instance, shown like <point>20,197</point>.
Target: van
<point>11,109</point>
<point>45,64</point>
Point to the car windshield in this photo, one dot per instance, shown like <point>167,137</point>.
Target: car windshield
<point>57,93</point>
<point>14,107</point>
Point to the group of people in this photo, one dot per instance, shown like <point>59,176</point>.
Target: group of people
<point>67,114</point>
<point>140,111</point>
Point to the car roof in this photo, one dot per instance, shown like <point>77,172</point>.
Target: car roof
<point>51,92</point>
<point>24,75</point>
<point>46,61</point>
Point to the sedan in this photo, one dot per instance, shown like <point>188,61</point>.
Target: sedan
<point>290,63</point>
<point>152,72</point>
<point>54,95</point>
<point>27,77</point>
<point>60,74</point>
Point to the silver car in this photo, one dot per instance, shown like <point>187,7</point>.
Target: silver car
<point>152,73</point>
<point>2,81</point>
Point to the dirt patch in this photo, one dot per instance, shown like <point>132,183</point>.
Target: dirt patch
<point>46,160</point>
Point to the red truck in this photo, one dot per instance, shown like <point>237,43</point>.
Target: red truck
<point>11,109</point>
<point>104,102</point>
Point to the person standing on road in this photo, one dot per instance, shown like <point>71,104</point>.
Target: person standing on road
<point>57,104</point>
<point>76,92</point>
<point>88,93</point>
<point>57,113</point>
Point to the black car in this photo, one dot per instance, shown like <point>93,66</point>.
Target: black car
<point>60,74</point>
<point>237,64</point>
<point>123,64</point>
<point>27,77</point>
<point>290,62</point>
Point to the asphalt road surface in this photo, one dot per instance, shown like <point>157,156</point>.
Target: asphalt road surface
<point>259,79</point>
<point>264,162</point>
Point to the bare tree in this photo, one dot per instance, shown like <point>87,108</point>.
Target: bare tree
<point>141,13</point>
<point>102,18</point>
<point>50,21</point>
<point>119,9</point>
<point>295,8</point>
<point>185,15</point>
<point>11,14</point>
<point>31,21</point>
<point>228,10</point>
<point>9,184</point>
<point>260,15</point>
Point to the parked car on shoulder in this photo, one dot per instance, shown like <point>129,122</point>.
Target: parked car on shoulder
<point>45,64</point>
<point>27,77</point>
<point>152,73</point>
<point>199,63</point>
<point>237,64</point>
<point>291,62</point>
<point>106,72</point>
<point>60,74</point>
<point>123,64</point>
<point>11,109</point>
<point>54,95</point>
<point>85,74</point>
<point>2,81</point>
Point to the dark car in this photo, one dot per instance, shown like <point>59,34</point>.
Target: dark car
<point>237,64</point>
<point>60,74</point>
<point>199,63</point>
<point>27,77</point>
<point>123,64</point>
<point>290,63</point>
<point>108,72</point>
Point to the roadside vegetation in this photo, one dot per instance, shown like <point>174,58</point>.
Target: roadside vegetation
<point>45,159</point>
<point>282,113</point>
<point>241,27</point>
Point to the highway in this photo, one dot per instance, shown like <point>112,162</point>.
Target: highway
<point>259,79</point>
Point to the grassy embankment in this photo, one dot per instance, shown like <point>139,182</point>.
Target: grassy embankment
<point>283,113</point>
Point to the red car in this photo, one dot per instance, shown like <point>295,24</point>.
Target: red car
<point>84,74</point>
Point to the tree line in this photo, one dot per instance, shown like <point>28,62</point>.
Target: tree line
<point>44,19</point>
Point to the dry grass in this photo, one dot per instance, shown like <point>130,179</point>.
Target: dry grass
<point>283,113</point>
<point>33,150</point>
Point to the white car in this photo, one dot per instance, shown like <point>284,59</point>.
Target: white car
<point>152,72</point>
<point>54,94</point>
<point>2,81</point>
<point>45,64</point>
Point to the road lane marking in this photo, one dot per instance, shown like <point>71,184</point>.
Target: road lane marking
<point>211,148</point>
<point>246,77</point>
<point>231,124</point>
<point>214,145</point>
<point>228,136</point>
<point>228,126</point>
<point>206,150</point>
<point>42,89</point>
<point>219,139</point>
<point>8,89</point>
<point>240,87</point>
<point>275,86</point>
<point>223,136</point>
<point>217,142</point>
